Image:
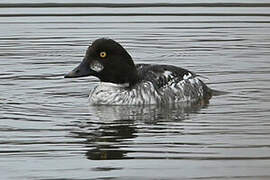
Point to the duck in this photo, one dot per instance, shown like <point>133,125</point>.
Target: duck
<point>122,82</point>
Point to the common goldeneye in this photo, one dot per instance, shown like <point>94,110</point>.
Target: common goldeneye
<point>124,83</point>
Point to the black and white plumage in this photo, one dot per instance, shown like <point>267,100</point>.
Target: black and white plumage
<point>124,83</point>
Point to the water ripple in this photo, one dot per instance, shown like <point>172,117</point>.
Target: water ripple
<point>46,122</point>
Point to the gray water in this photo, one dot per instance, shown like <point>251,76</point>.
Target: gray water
<point>48,130</point>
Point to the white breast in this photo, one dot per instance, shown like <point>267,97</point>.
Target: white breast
<point>189,90</point>
<point>114,94</point>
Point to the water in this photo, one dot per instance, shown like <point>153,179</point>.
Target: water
<point>48,131</point>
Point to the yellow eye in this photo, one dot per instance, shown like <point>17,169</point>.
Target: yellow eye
<point>103,54</point>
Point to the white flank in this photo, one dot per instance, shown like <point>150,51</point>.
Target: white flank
<point>187,90</point>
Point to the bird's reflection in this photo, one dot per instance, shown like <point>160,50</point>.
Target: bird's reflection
<point>109,131</point>
<point>106,142</point>
<point>148,114</point>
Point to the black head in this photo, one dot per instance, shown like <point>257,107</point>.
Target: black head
<point>107,60</point>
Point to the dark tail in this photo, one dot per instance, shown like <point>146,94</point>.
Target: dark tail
<point>208,92</point>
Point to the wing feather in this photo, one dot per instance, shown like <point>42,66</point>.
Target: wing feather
<point>163,75</point>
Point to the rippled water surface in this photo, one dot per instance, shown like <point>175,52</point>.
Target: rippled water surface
<point>48,131</point>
